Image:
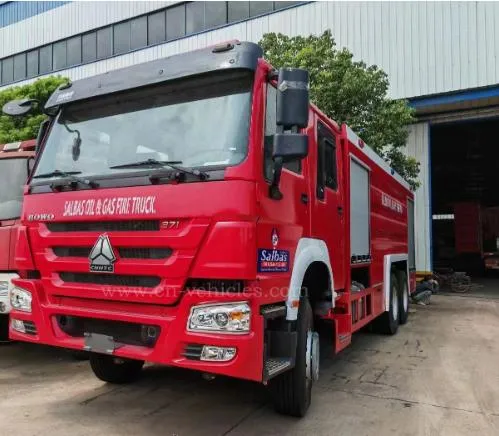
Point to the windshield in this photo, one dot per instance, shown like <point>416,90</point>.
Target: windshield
<point>14,174</point>
<point>202,122</point>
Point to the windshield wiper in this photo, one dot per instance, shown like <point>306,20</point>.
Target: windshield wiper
<point>70,177</point>
<point>56,173</point>
<point>158,164</point>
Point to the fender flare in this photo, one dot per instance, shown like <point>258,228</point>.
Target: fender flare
<point>387,268</point>
<point>309,250</point>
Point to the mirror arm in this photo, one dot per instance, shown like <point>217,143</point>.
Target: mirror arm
<point>274,191</point>
<point>272,75</point>
<point>41,133</point>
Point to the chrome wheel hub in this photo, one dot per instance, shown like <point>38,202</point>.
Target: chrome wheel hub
<point>395,305</point>
<point>405,298</point>
<point>312,356</point>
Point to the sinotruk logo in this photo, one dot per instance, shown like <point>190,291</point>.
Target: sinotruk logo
<point>102,256</point>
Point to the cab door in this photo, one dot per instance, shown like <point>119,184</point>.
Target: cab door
<point>328,222</point>
<point>281,222</point>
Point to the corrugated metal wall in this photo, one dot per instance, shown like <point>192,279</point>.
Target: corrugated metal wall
<point>68,20</point>
<point>425,47</point>
<point>13,12</point>
<point>418,145</point>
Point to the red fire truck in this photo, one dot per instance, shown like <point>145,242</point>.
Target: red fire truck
<point>197,211</point>
<point>14,161</point>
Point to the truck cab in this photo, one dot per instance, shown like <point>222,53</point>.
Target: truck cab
<point>14,165</point>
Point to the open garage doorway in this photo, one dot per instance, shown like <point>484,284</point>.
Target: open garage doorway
<point>465,200</point>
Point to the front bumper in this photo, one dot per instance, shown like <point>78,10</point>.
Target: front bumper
<point>5,307</point>
<point>172,342</point>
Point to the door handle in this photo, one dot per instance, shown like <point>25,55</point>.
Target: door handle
<point>304,198</point>
<point>340,210</point>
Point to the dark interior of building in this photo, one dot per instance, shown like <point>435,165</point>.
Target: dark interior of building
<point>465,196</point>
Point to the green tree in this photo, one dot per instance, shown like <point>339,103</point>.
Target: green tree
<point>26,127</point>
<point>349,92</point>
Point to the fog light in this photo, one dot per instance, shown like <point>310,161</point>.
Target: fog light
<point>18,326</point>
<point>218,354</point>
<point>3,308</point>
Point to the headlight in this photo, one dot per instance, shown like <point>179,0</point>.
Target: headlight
<point>20,299</point>
<point>4,288</point>
<point>229,318</point>
<point>4,295</point>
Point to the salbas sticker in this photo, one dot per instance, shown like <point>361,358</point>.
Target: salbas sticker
<point>272,260</point>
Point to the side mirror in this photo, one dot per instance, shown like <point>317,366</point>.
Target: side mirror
<point>16,108</point>
<point>292,98</point>
<point>292,114</point>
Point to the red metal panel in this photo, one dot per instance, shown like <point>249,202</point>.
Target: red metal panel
<point>467,228</point>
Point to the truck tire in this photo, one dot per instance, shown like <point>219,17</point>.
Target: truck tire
<point>403,297</point>
<point>388,322</point>
<point>292,390</point>
<point>115,370</point>
<point>4,328</point>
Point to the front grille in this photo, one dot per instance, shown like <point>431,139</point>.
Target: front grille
<point>105,226</point>
<point>33,274</point>
<point>29,327</point>
<point>144,253</point>
<point>72,251</point>
<point>193,351</point>
<point>125,252</point>
<point>111,279</point>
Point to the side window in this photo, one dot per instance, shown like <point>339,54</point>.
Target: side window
<point>326,160</point>
<point>270,131</point>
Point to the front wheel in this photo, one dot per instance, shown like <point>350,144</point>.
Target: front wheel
<point>292,390</point>
<point>115,369</point>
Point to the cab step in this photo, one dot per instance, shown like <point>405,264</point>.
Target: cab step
<point>276,365</point>
<point>272,311</point>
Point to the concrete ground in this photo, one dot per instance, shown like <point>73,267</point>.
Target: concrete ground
<point>484,287</point>
<point>438,376</point>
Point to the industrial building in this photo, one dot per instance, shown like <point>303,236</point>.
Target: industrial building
<point>441,56</point>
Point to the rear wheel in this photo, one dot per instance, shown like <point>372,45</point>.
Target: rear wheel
<point>115,369</point>
<point>292,391</point>
<point>388,322</point>
<point>403,297</point>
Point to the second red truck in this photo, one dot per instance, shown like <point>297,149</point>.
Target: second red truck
<point>15,160</point>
